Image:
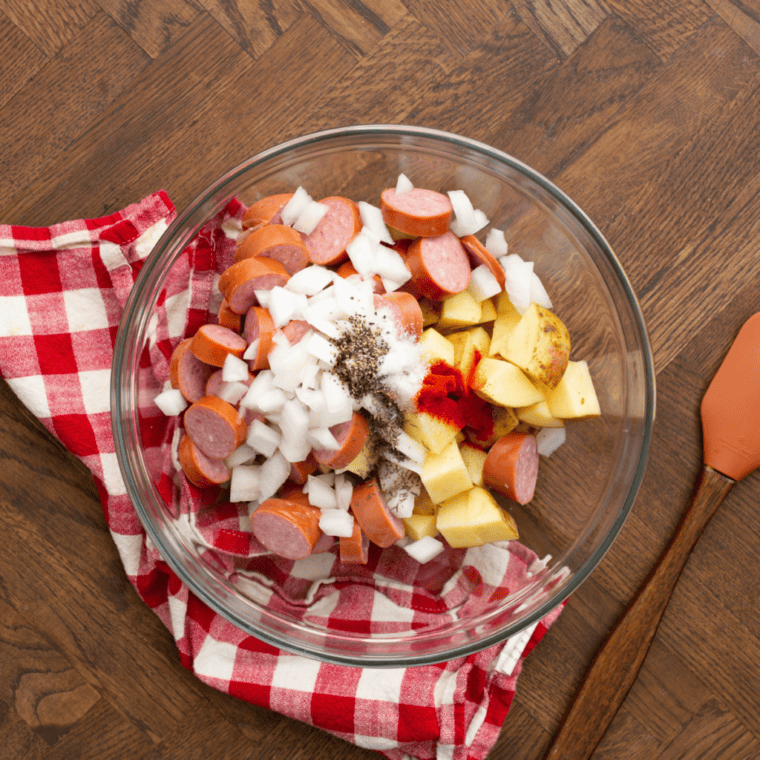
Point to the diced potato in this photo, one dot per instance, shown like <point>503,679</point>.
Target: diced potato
<point>503,328</point>
<point>539,415</point>
<point>419,526</point>
<point>458,340</point>
<point>431,311</point>
<point>473,519</point>
<point>540,345</point>
<point>574,397</point>
<point>474,459</point>
<point>445,475</point>
<point>460,310</point>
<point>433,433</point>
<point>504,422</point>
<point>434,347</point>
<point>470,346</point>
<point>504,305</point>
<point>487,311</point>
<point>423,504</point>
<point>504,384</point>
<point>364,463</point>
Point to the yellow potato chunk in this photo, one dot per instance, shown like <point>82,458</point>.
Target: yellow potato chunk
<point>364,462</point>
<point>540,345</point>
<point>504,305</point>
<point>431,311</point>
<point>539,415</point>
<point>470,346</point>
<point>503,384</point>
<point>574,397</point>
<point>504,421</point>
<point>423,504</point>
<point>487,311</point>
<point>503,327</point>
<point>474,518</point>
<point>459,310</point>
<point>433,433</point>
<point>445,475</point>
<point>474,459</point>
<point>434,347</point>
<point>419,526</point>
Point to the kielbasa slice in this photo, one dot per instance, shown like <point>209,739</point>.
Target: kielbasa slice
<point>354,549</point>
<point>479,255</point>
<point>214,343</point>
<point>228,318</point>
<point>265,210</point>
<point>187,373</point>
<point>381,526</point>
<point>351,437</point>
<point>287,528</point>
<point>511,467</point>
<point>278,242</point>
<point>420,212</point>
<point>300,471</point>
<point>201,470</point>
<point>214,426</point>
<point>337,228</point>
<point>439,266</point>
<point>259,326</point>
<point>239,282</point>
<point>406,311</point>
<point>347,269</point>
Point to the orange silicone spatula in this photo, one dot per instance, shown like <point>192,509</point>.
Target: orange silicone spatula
<point>731,442</point>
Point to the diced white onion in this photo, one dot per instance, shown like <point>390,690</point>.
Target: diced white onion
<point>244,483</point>
<point>481,220</point>
<point>310,280</point>
<point>336,522</point>
<point>518,275</point>
<point>294,422</point>
<point>424,550</point>
<point>310,217</point>
<point>410,448</point>
<point>322,438</point>
<point>343,491</point>
<point>322,349</point>
<point>352,295</point>
<point>232,392</point>
<point>272,401</point>
<point>243,454</point>
<point>288,364</point>
<point>252,350</point>
<point>403,184</point>
<point>262,383</point>
<point>284,305</point>
<point>326,308</point>
<point>483,284</point>
<point>262,296</point>
<point>171,402</point>
<point>320,494</point>
<point>325,326</point>
<point>234,369</point>
<point>538,293</point>
<point>464,213</point>
<point>361,251</point>
<point>549,440</point>
<point>372,217</point>
<point>272,474</point>
<point>293,208</point>
<point>295,450</point>
<point>402,506</point>
<point>262,438</point>
<point>496,242</point>
<point>389,265</point>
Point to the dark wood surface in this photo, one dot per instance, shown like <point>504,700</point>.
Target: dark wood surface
<point>647,112</point>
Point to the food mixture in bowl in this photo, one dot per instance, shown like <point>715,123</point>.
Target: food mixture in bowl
<point>341,406</point>
<point>374,375</point>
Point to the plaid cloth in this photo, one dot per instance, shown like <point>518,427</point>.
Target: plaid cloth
<point>62,292</point>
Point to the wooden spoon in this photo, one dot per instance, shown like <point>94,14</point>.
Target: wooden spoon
<point>731,441</point>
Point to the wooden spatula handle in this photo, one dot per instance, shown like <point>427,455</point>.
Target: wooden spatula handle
<point>619,659</point>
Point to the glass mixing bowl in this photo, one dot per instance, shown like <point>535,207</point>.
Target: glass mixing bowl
<point>585,489</point>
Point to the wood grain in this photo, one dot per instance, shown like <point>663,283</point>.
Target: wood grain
<point>647,112</point>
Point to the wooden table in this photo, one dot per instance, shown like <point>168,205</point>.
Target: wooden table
<point>646,113</point>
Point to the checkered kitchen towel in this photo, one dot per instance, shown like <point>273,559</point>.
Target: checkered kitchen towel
<point>62,291</point>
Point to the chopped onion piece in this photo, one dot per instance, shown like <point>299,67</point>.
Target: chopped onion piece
<point>310,217</point>
<point>372,217</point>
<point>518,275</point>
<point>403,184</point>
<point>389,265</point>
<point>232,392</point>
<point>402,506</point>
<point>293,208</point>
<point>325,326</point>
<point>322,349</point>
<point>464,213</point>
<point>352,295</point>
<point>284,305</point>
<point>496,242</point>
<point>327,308</point>
<point>481,220</point>
<point>336,522</point>
<point>361,251</point>
<point>549,440</point>
<point>288,364</point>
<point>244,483</point>
<point>538,293</point>
<point>271,401</point>
<point>326,477</point>
<point>389,285</point>
<point>272,474</point>
<point>263,297</point>
<point>262,383</point>
<point>322,438</point>
<point>171,402</point>
<point>262,438</point>
<point>337,396</point>
<point>252,350</point>
<point>243,454</point>
<point>344,490</point>
<point>321,494</point>
<point>310,280</point>
<point>424,550</point>
<point>483,284</point>
<point>410,448</point>
<point>295,450</point>
<point>234,369</point>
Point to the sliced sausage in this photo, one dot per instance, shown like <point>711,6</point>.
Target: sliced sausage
<point>288,528</point>
<point>511,467</point>
<point>406,311</point>
<point>337,228</point>
<point>479,255</point>
<point>351,437</point>
<point>214,426</point>
<point>214,383</point>
<point>300,471</point>
<point>376,520</point>
<point>187,373</point>
<point>347,269</point>
<point>259,326</point>
<point>239,282</point>
<point>420,212</point>
<point>201,470</point>
<point>439,266</point>
<point>278,242</point>
<point>265,210</point>
<point>354,549</point>
<point>228,318</point>
<point>213,344</point>
<point>324,544</point>
<point>296,330</point>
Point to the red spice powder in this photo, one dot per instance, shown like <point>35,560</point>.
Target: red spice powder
<point>445,395</point>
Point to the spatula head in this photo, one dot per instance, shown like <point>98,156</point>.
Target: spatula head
<point>731,407</point>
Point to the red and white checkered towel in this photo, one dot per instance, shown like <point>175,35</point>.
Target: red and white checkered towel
<point>62,291</point>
